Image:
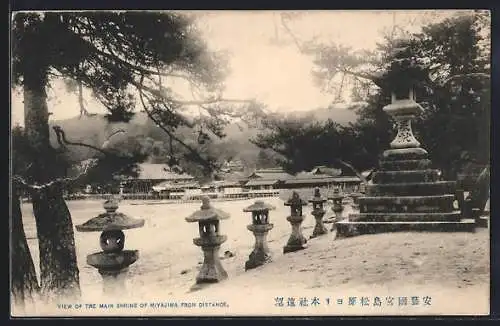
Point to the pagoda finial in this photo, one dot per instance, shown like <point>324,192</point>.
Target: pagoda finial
<point>205,202</point>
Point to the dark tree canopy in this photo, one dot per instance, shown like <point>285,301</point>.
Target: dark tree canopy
<point>127,59</point>
<point>452,57</point>
<point>109,51</point>
<point>456,124</point>
<point>303,144</point>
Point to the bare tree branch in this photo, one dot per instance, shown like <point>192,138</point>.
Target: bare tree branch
<point>142,70</point>
<point>61,139</point>
<point>211,101</point>
<point>363,179</point>
<point>59,181</point>
<point>169,133</point>
<point>292,35</point>
<point>140,86</point>
<point>87,164</point>
<point>360,75</point>
<point>302,50</point>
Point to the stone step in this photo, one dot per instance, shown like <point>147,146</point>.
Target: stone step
<point>483,222</point>
<point>405,176</point>
<point>398,165</point>
<point>348,228</point>
<point>406,204</point>
<point>405,217</point>
<point>411,189</point>
<point>405,154</point>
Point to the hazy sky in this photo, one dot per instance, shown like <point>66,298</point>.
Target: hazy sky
<point>277,75</point>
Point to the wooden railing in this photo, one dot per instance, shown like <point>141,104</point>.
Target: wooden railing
<point>180,199</point>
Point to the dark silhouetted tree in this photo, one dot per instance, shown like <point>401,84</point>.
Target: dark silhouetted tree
<point>118,55</point>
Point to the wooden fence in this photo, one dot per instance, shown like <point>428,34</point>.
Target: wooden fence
<point>172,199</point>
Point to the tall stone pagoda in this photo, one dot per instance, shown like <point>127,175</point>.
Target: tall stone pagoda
<point>407,192</point>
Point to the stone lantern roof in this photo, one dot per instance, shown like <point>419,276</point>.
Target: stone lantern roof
<point>110,220</point>
<point>295,200</point>
<point>404,70</point>
<point>356,195</point>
<point>335,194</point>
<point>317,198</point>
<point>207,212</point>
<point>259,206</point>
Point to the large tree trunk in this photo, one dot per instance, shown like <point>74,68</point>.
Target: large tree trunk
<point>58,264</point>
<point>23,275</point>
<point>59,274</point>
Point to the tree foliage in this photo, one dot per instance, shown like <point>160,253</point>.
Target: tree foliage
<point>454,90</point>
<point>128,60</point>
<point>455,126</point>
<point>303,144</point>
<point>119,55</point>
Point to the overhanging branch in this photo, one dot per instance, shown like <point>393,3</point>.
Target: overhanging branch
<point>211,101</point>
<point>359,75</point>
<point>140,86</point>
<point>59,181</point>
<point>292,35</point>
<point>61,139</point>
<point>168,132</point>
<point>111,55</point>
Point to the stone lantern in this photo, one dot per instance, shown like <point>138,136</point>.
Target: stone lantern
<point>362,188</point>
<point>405,193</point>
<point>402,79</point>
<point>318,212</point>
<point>112,262</point>
<point>296,240</point>
<point>260,227</point>
<point>355,203</point>
<point>337,207</point>
<point>210,241</point>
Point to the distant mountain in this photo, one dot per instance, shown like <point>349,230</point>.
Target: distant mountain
<point>341,113</point>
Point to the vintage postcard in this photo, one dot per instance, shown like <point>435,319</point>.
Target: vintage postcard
<point>250,163</point>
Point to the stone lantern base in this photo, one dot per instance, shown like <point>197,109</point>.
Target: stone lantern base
<point>211,271</point>
<point>338,217</point>
<point>296,241</point>
<point>406,195</point>
<point>260,254</point>
<point>113,268</point>
<point>114,282</point>
<point>319,228</point>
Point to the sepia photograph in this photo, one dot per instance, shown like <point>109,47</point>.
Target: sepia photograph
<point>262,163</point>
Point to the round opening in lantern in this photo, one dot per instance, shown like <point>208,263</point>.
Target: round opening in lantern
<point>112,241</point>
